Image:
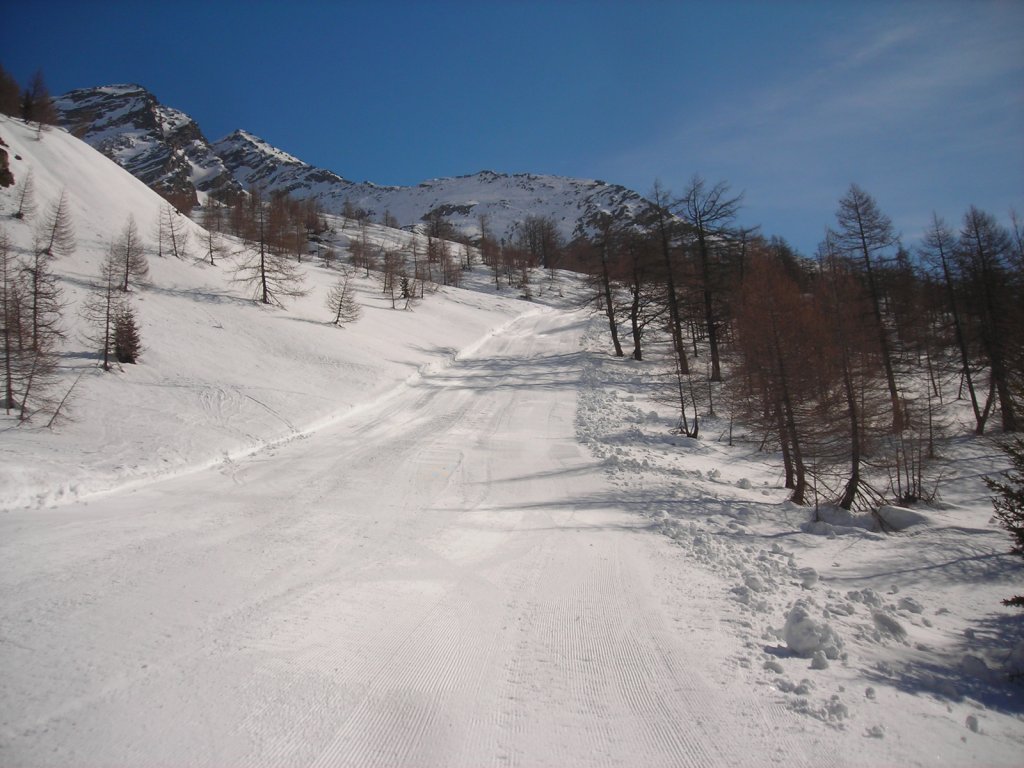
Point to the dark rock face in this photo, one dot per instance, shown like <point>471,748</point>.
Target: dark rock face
<point>159,145</point>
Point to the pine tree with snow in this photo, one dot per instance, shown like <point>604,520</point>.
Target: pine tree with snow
<point>127,341</point>
<point>1009,503</point>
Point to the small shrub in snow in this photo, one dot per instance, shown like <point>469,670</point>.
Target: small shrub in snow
<point>1009,503</point>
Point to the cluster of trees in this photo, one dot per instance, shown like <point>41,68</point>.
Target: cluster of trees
<point>278,231</point>
<point>536,243</point>
<point>32,302</point>
<point>33,104</point>
<point>844,362</point>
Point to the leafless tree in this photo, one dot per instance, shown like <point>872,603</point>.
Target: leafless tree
<point>10,95</point>
<point>995,295</point>
<point>865,236</point>
<point>172,233</point>
<point>129,253</point>
<point>939,250</point>
<point>341,301</point>
<point>55,233</point>
<point>270,275</point>
<point>709,214</point>
<point>24,196</point>
<point>36,104</point>
<point>100,311</point>
<point>10,317</point>
<point>43,302</point>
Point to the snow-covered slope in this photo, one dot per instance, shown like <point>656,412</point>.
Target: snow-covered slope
<point>165,148</point>
<point>161,146</point>
<point>219,376</point>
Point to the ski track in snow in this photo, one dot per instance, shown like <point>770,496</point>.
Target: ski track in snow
<point>438,579</point>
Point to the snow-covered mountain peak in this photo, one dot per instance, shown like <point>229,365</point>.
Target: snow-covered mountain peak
<point>165,148</point>
<point>162,146</point>
<point>243,140</point>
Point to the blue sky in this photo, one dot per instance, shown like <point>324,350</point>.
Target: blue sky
<point>920,103</point>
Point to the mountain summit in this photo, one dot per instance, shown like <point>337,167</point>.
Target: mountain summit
<point>161,146</point>
<point>166,149</point>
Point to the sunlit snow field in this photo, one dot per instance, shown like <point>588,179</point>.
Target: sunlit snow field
<point>458,534</point>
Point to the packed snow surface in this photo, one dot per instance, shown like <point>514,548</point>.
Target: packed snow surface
<point>456,535</point>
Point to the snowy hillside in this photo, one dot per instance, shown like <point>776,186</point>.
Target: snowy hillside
<point>161,145</point>
<point>220,376</point>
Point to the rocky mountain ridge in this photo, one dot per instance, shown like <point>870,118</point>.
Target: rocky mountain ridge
<point>159,145</point>
<point>166,149</point>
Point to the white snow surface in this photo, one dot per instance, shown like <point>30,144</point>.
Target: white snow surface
<point>457,535</point>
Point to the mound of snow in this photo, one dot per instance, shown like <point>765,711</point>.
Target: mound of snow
<point>901,518</point>
<point>804,635</point>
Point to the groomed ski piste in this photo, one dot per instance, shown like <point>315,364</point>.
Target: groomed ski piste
<point>460,534</point>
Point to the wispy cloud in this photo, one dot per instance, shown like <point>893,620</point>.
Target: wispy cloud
<point>922,108</point>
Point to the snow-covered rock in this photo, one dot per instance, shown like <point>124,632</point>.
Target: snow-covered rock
<point>901,518</point>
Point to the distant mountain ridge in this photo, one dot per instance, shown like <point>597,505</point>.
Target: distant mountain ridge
<point>166,149</point>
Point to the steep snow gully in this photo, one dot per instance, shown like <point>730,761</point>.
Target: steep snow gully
<point>442,579</point>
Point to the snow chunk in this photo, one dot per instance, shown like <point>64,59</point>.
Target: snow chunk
<point>804,635</point>
<point>889,625</point>
<point>911,605</point>
<point>808,577</point>
<point>901,518</point>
